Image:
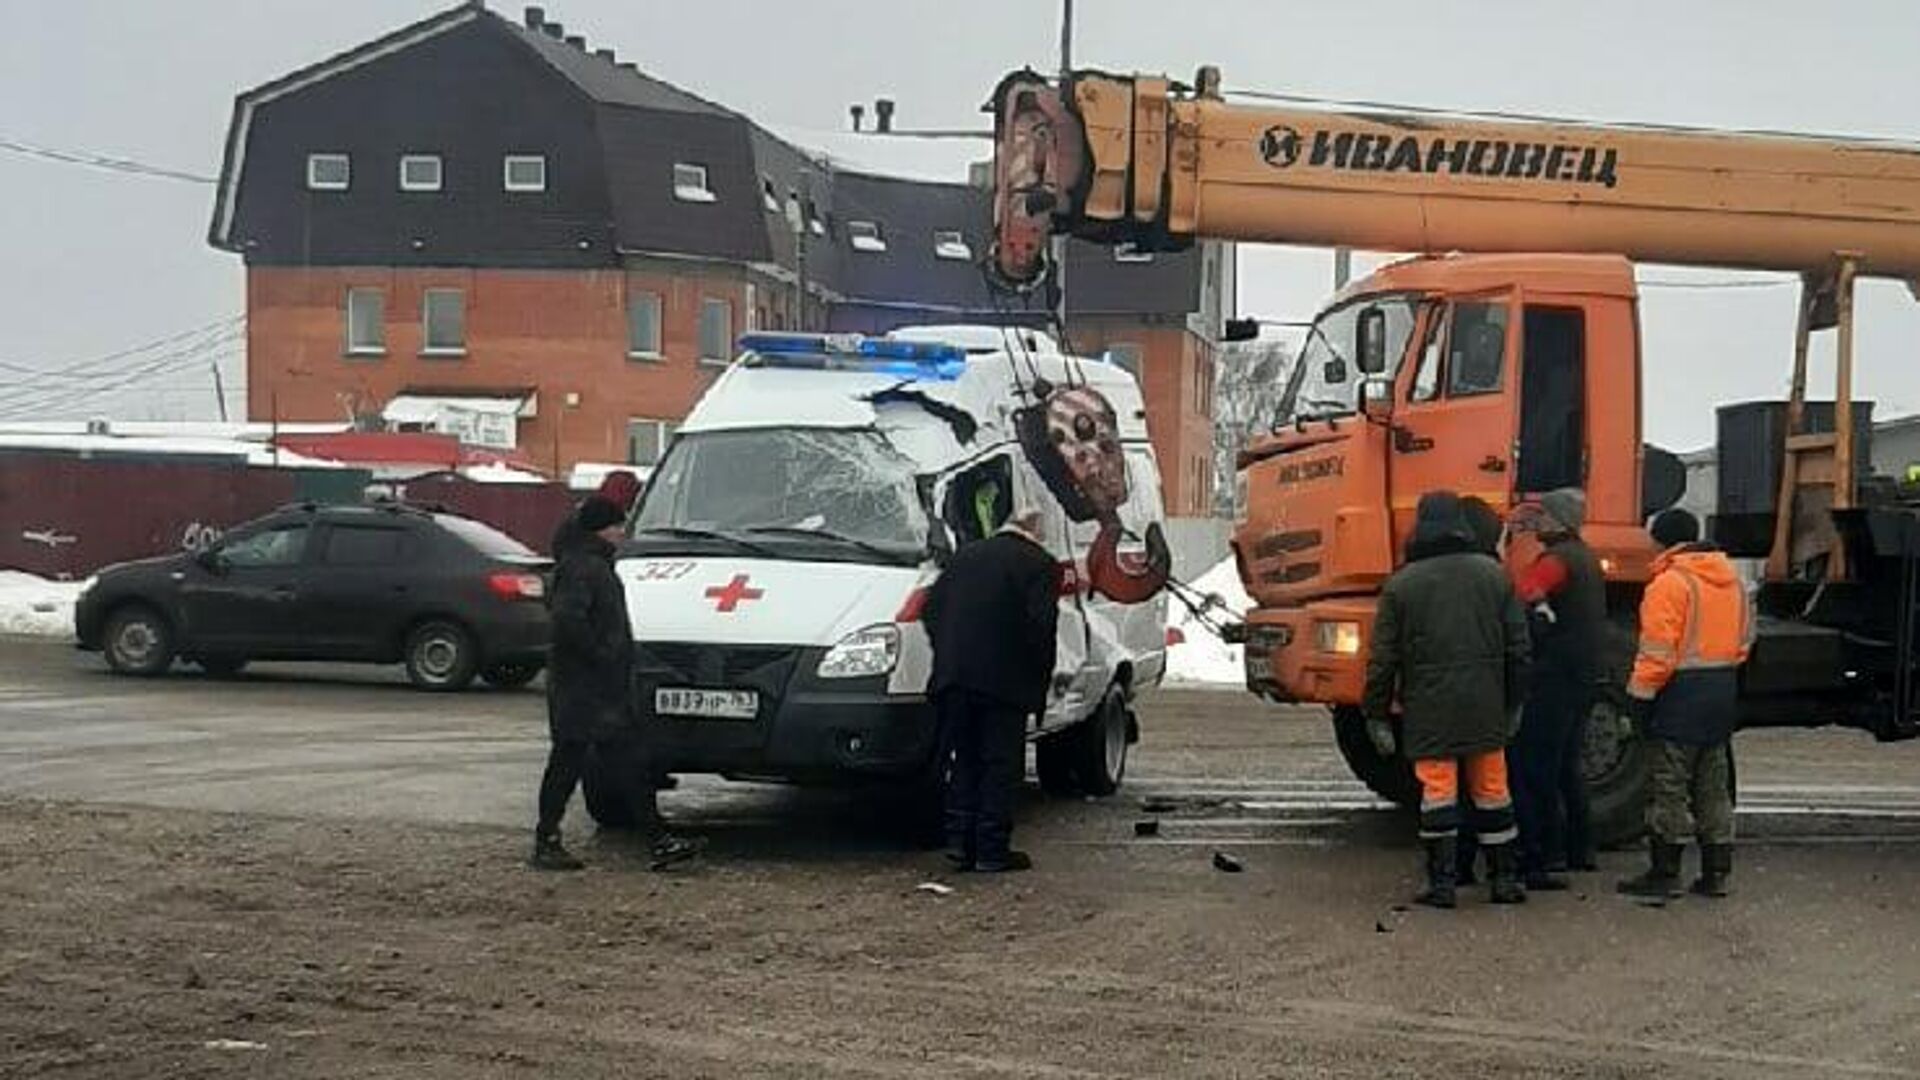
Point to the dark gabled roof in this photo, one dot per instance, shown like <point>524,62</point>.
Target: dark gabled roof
<point>640,148</point>
<point>608,82</point>
<point>233,158</point>
<point>909,213</point>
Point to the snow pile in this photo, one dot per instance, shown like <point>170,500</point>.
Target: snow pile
<point>1202,657</point>
<point>34,605</point>
<point>496,473</point>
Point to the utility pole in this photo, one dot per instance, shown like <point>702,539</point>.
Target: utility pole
<point>219,391</point>
<point>1060,241</point>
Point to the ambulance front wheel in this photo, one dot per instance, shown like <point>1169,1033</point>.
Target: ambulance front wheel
<point>1089,758</point>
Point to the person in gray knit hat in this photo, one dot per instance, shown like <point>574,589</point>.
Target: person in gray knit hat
<point>1566,596</point>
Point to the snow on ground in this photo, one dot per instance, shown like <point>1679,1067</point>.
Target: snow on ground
<point>34,605</point>
<point>1203,657</point>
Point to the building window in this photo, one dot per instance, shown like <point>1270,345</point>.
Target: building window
<point>643,325</point>
<point>951,244</point>
<point>329,172</point>
<point>1126,356</point>
<point>420,172</point>
<point>1128,253</point>
<point>865,236</point>
<point>525,172</point>
<point>647,440</point>
<point>690,183</point>
<point>767,197</point>
<point>366,322</point>
<point>795,220</point>
<point>443,315</point>
<point>815,224</point>
<point>716,331</point>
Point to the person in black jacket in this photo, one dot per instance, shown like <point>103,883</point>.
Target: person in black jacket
<point>1450,645</point>
<point>589,710</point>
<point>992,615</point>
<point>1565,592</point>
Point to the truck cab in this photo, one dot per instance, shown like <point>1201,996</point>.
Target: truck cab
<point>1497,376</point>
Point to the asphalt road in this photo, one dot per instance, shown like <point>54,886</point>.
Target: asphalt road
<point>357,742</point>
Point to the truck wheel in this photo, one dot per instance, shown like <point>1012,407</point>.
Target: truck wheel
<point>604,791</point>
<point>1613,757</point>
<point>1613,761</point>
<point>441,656</point>
<point>139,641</point>
<point>1391,778</point>
<point>1100,758</point>
<point>1053,759</point>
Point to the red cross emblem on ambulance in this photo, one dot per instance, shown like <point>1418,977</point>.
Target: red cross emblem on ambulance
<point>726,598</point>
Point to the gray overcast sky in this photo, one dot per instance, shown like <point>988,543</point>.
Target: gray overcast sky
<point>96,261</point>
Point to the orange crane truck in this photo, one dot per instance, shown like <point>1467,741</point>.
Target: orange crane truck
<point>1507,373</point>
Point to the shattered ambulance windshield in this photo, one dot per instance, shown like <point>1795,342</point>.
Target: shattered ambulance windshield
<point>841,484</point>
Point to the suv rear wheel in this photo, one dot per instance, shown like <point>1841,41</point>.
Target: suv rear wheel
<point>441,656</point>
<point>139,641</point>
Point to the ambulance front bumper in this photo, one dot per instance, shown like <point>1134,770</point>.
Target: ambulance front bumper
<point>804,729</point>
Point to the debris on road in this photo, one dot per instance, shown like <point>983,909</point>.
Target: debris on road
<point>233,1044</point>
<point>934,888</point>
<point>1226,863</point>
<point>1150,827</point>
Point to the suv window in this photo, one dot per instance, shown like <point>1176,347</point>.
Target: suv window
<point>281,546</point>
<point>364,545</point>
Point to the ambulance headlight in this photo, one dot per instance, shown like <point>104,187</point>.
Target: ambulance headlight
<point>1339,638</point>
<point>863,654</point>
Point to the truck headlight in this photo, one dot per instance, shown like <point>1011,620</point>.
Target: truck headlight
<point>862,654</point>
<point>1341,638</point>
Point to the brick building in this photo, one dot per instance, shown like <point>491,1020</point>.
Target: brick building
<point>476,224</point>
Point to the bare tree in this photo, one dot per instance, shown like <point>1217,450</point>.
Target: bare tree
<point>1249,379</point>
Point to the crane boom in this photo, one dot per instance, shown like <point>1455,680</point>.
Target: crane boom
<point>1139,160</point>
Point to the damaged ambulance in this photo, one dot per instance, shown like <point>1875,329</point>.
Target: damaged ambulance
<point>780,557</point>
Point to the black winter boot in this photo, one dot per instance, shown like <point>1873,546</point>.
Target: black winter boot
<point>1716,866</point>
<point>550,854</point>
<point>1504,875</point>
<point>1661,882</point>
<point>1443,861</point>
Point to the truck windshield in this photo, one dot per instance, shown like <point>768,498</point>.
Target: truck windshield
<point>842,494</point>
<point>1327,375</point>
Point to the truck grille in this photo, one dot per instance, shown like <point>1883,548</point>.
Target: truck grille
<point>715,666</point>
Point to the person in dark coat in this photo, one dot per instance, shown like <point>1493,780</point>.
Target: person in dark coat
<point>992,614</point>
<point>1565,593</point>
<point>589,707</point>
<point>1450,645</point>
<point>1488,531</point>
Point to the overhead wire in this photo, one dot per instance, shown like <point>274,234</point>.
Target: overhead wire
<point>105,162</point>
<point>94,366</point>
<point>167,364</point>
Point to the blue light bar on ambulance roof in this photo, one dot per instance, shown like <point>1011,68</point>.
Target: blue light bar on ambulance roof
<point>856,352</point>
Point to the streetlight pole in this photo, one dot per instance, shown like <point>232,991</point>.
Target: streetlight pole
<point>1059,251</point>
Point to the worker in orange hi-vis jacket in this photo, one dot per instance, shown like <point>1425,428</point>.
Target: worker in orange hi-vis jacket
<point>1696,628</point>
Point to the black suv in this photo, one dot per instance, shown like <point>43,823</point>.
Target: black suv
<point>447,596</point>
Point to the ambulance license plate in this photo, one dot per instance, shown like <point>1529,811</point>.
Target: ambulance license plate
<point>707,704</point>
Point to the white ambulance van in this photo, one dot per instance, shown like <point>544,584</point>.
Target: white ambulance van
<point>781,554</point>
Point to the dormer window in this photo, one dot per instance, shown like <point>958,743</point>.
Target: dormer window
<point>865,236</point>
<point>690,183</point>
<point>952,244</point>
<point>420,172</point>
<point>767,197</point>
<point>329,172</point>
<point>525,172</point>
